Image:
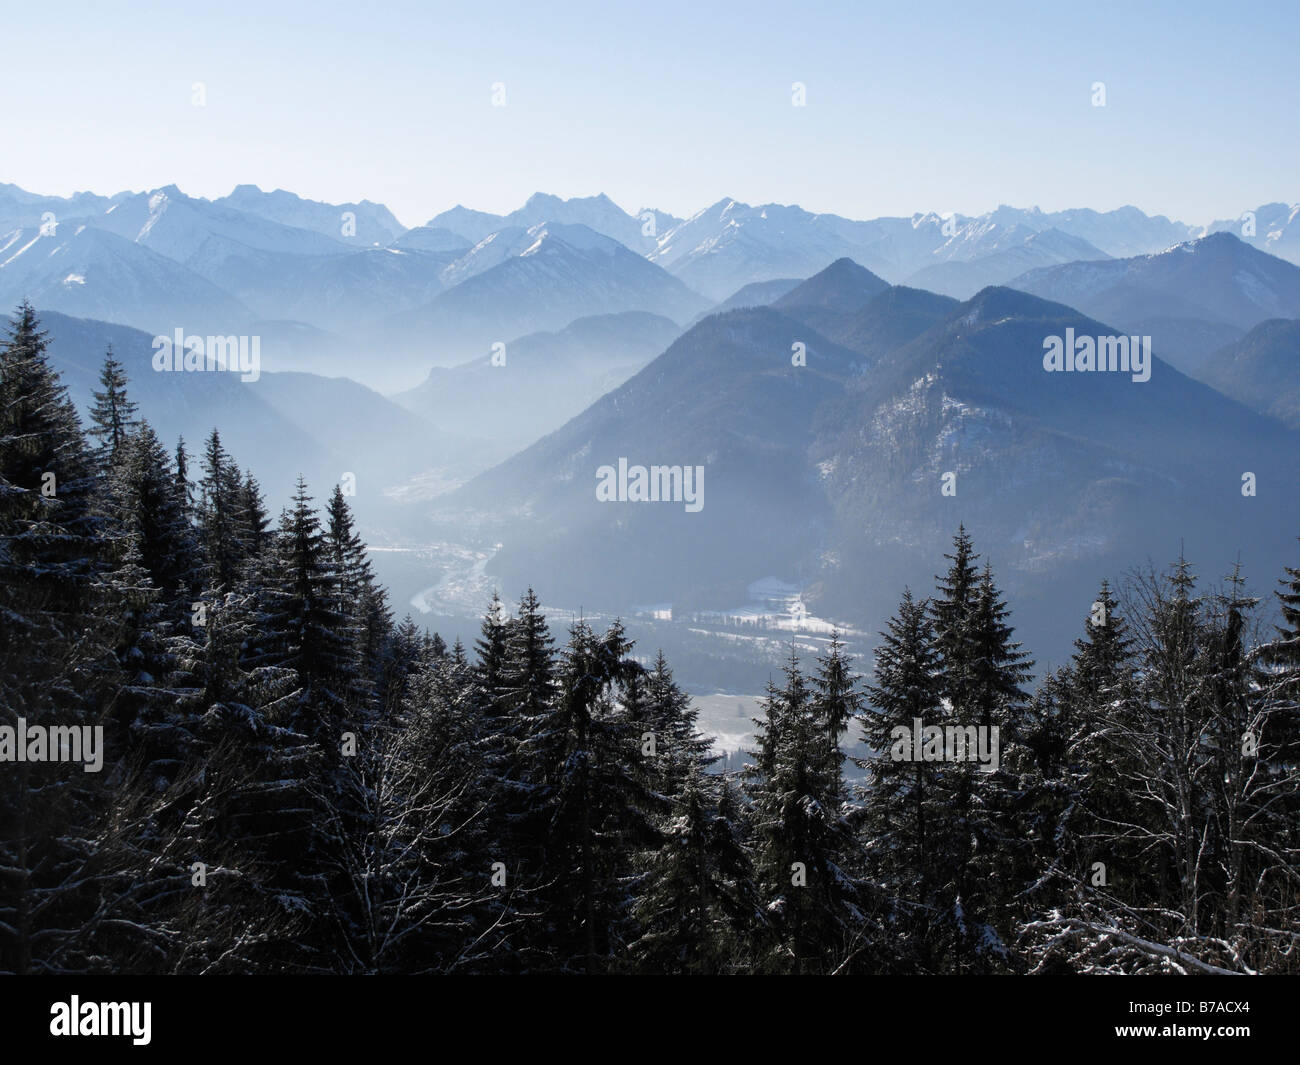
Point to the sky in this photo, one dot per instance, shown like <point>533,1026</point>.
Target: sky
<point>908,106</point>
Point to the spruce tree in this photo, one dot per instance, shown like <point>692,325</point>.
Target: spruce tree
<point>219,512</point>
<point>982,671</point>
<point>113,415</point>
<point>699,908</point>
<point>301,629</point>
<point>588,786</point>
<point>803,846</point>
<point>184,489</point>
<point>906,813</point>
<point>240,798</point>
<point>836,700</point>
<point>52,657</point>
<point>666,718</point>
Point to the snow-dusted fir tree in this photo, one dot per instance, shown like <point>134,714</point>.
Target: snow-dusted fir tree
<point>904,823</point>
<point>147,596</point>
<point>666,720</point>
<point>698,910</point>
<point>53,660</point>
<point>803,846</point>
<point>589,795</point>
<point>836,696</point>
<point>980,860</point>
<point>113,414</point>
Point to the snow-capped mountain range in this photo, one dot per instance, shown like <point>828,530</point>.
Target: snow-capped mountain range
<point>436,293</point>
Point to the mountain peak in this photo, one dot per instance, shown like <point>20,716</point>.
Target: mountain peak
<point>572,235</point>
<point>1222,243</point>
<point>842,286</point>
<point>167,192</point>
<point>998,302</point>
<point>1223,239</point>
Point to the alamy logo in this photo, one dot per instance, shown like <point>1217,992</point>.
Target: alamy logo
<point>654,484</point>
<point>1071,354</point>
<point>946,743</point>
<point>53,743</point>
<point>241,355</point>
<point>102,1018</point>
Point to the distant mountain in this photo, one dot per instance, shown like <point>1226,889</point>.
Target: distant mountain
<point>1276,229</point>
<point>494,249</point>
<point>191,405</point>
<point>91,273</point>
<point>724,395</point>
<point>1064,477</point>
<point>432,238</point>
<point>962,278</point>
<point>663,221</point>
<point>1262,370</point>
<point>295,347</point>
<point>1122,233</point>
<point>561,274</point>
<point>20,209</point>
<point>755,294</point>
<point>468,224</point>
<point>279,426</point>
<point>892,319</point>
<point>851,306</point>
<point>1215,280</point>
<point>832,475</point>
<point>1186,342</point>
<point>204,235</point>
<point>376,438</point>
<point>547,378</point>
<point>731,244</point>
<point>369,224</point>
<point>342,293</point>
<point>829,299</point>
<point>598,213</point>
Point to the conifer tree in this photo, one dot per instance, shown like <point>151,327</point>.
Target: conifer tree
<point>155,569</point>
<point>836,700</point>
<point>982,671</point>
<point>358,597</point>
<point>803,846</point>
<point>254,519</point>
<point>301,629</point>
<point>184,489</point>
<point>518,666</point>
<point>699,909</point>
<point>588,787</point>
<point>241,800</point>
<point>666,718</point>
<point>148,511</point>
<point>906,812</point>
<point>1097,703</point>
<point>219,513</point>
<point>113,415</point>
<point>490,649</point>
<point>1002,864</point>
<point>51,655</point>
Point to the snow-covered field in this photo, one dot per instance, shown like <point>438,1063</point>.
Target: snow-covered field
<point>727,719</point>
<point>774,606</point>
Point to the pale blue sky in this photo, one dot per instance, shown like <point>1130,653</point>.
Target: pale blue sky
<point>911,106</point>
